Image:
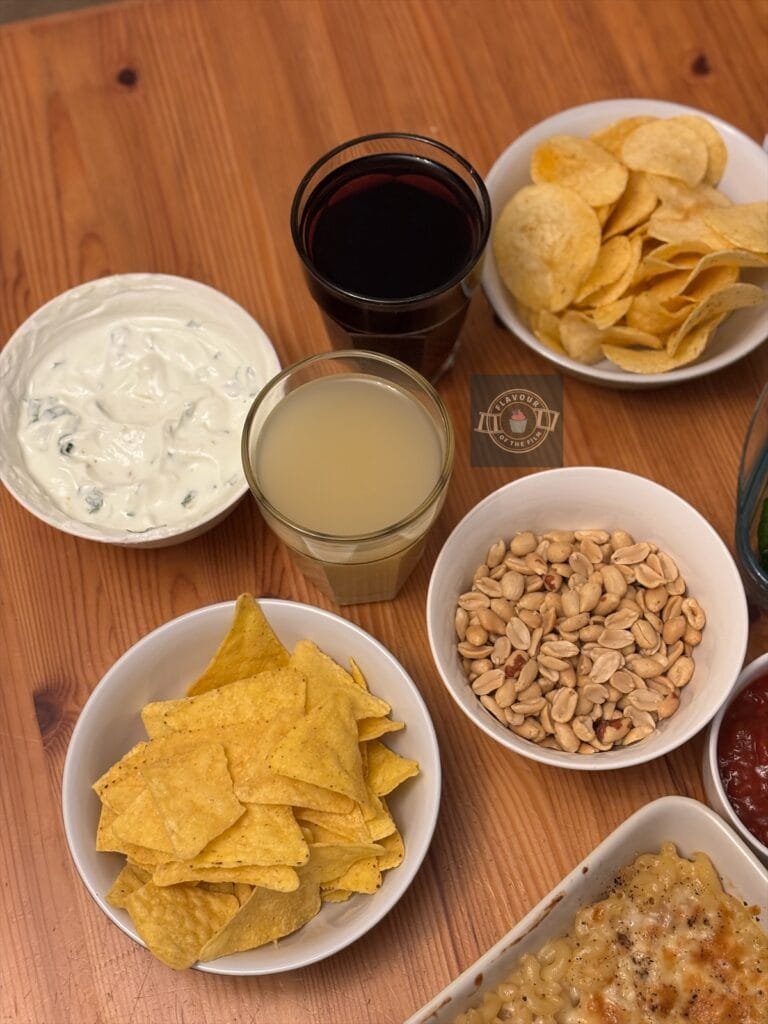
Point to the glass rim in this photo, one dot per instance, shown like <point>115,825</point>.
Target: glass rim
<point>423,384</point>
<point>484,204</point>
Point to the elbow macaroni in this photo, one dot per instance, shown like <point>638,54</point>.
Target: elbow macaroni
<point>667,944</point>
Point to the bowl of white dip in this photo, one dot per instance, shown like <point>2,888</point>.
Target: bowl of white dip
<point>122,403</point>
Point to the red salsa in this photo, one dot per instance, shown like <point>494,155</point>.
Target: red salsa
<point>742,754</point>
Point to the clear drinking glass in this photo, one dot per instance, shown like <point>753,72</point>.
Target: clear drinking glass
<point>384,440</point>
<point>391,229</point>
<point>752,505</point>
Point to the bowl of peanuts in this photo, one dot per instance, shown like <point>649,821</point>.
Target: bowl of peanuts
<point>587,618</point>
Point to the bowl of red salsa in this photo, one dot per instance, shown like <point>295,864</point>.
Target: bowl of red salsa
<point>735,768</point>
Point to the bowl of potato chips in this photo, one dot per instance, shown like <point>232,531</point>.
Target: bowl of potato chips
<point>240,798</point>
<point>630,242</point>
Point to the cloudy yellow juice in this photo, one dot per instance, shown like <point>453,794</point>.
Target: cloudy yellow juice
<point>344,462</point>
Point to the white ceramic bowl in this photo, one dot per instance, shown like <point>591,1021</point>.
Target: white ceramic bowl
<point>713,784</point>
<point>584,497</point>
<point>159,667</point>
<point>745,180</point>
<point>142,301</point>
<point>691,826</point>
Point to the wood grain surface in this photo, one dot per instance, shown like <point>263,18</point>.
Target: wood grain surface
<point>169,136</point>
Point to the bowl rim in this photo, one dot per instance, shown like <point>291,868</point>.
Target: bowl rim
<point>748,674</point>
<point>71,797</point>
<point>636,754</point>
<point>160,534</point>
<point>495,292</point>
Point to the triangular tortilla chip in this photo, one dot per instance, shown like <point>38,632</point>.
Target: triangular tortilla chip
<point>328,681</point>
<point>193,793</point>
<point>279,877</point>
<point>129,880</point>
<point>249,647</point>
<point>394,851</point>
<point>331,860</point>
<point>142,825</point>
<point>322,749</point>
<point>351,826</point>
<point>263,836</point>
<point>386,769</point>
<point>372,728</point>
<point>264,917</point>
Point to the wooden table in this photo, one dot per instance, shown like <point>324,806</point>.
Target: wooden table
<point>169,136</point>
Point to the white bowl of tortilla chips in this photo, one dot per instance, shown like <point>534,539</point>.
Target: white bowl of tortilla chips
<point>237,805</point>
<point>664,338</point>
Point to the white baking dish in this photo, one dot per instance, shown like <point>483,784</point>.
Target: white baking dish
<point>688,824</point>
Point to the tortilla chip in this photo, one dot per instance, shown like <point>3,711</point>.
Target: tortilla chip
<point>129,880</point>
<point>278,877</point>
<point>386,769</point>
<point>331,860</point>
<point>328,681</point>
<point>250,647</point>
<point>264,835</point>
<point>394,851</point>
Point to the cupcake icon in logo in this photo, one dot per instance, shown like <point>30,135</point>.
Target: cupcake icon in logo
<point>518,422</point>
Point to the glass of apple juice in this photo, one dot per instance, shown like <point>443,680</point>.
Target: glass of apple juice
<point>348,455</point>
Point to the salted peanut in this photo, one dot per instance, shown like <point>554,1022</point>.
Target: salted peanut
<point>677,586</point>
<point>604,665</point>
<point>612,730</point>
<point>506,695</point>
<point>608,709</point>
<point>560,536</point>
<point>523,543</point>
<point>490,621</point>
<point>516,564</point>
<point>694,613</point>
<point>674,652</point>
<point>469,650</point>
<point>531,692</point>
<point>532,602</point>
<point>681,672</point>
<point>536,563</point>
<point>566,737</point>
<point>536,636</point>
<point>583,666</point>
<point>533,583</point>
<point>669,567</point>
<point>502,649</point>
<point>621,539</point>
<point>515,663</point>
<point>518,633</point>
<point>589,596</point>
<point>489,681</point>
<point>591,551</point>
<point>584,728</point>
<point>644,700</point>
<point>498,572</point>
<point>573,623</point>
<point>491,588</point>
<point>654,563</point>
<point>607,604</point>
<point>480,572</point>
<point>656,598</point>
<point>568,677</point>
<point>655,621</point>
<point>576,581</point>
<point>623,681</point>
<point>512,717</point>
<point>496,553</point>
<point>640,732</point>
<point>615,639</point>
<point>644,634</point>
<point>473,600</point>
<point>586,748</point>
<point>595,692</point>
<point>672,608</point>
<point>647,577</point>
<point>560,649</point>
<point>564,705</point>
<point>559,551</point>
<point>531,619</point>
<point>490,704</point>
<point>595,535</point>
<point>503,608</point>
<point>638,717</point>
<point>584,706</point>
<point>624,618</point>
<point>633,554</point>
<point>545,717</point>
<point>512,585</point>
<point>644,667</point>
<point>589,634</point>
<point>547,672</point>
<point>674,629</point>
<point>461,621</point>
<point>550,743</point>
<point>477,635</point>
<point>692,637</point>
<point>529,730</point>
<point>668,706</point>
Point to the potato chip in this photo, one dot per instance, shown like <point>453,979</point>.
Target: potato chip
<point>735,296</point>
<point>745,225</point>
<point>611,292</point>
<point>546,327</point>
<point>612,137</point>
<point>546,241</point>
<point>685,230</point>
<point>648,313</point>
<point>386,769</point>
<point>610,313</point>
<point>176,922</point>
<point>636,361</point>
<point>677,196</point>
<point>265,917</point>
<point>249,648</point>
<point>669,147</point>
<point>635,206</point>
<point>581,165</point>
<point>612,261</point>
<point>716,151</point>
<point>194,795</point>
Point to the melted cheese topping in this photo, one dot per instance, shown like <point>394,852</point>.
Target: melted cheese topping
<point>666,945</point>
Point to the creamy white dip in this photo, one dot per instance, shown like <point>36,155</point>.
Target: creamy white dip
<point>135,423</point>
